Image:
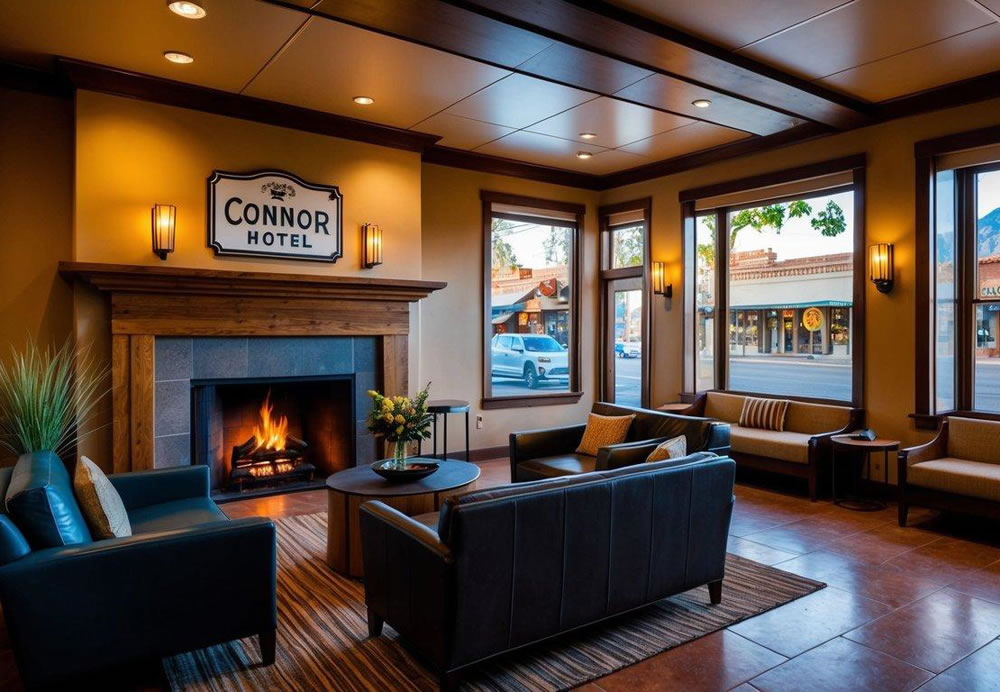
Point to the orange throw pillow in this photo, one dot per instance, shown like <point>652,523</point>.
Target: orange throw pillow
<point>603,431</point>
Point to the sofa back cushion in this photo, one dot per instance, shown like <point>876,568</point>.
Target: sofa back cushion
<point>653,425</point>
<point>40,502</point>
<point>802,417</point>
<point>975,440</point>
<point>722,406</point>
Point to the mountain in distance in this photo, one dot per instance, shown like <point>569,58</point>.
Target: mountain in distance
<point>988,234</point>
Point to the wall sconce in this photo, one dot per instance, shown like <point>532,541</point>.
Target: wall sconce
<point>880,266</point>
<point>660,285</point>
<point>371,240</point>
<point>164,221</point>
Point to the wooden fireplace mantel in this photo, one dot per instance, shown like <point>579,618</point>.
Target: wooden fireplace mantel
<point>150,301</point>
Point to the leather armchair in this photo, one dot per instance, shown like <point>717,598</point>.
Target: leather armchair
<point>583,549</point>
<point>549,453</point>
<point>178,583</point>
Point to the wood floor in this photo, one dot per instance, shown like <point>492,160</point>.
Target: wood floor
<point>904,607</point>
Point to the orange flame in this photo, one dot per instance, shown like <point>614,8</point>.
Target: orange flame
<point>272,431</point>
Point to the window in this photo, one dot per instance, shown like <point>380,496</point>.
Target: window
<point>531,273</point>
<point>771,269</point>
<point>966,289</point>
<point>625,300</point>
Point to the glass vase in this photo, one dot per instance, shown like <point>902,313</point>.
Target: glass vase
<point>399,456</point>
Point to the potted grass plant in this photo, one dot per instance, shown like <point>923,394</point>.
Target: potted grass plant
<point>46,396</point>
<point>400,420</point>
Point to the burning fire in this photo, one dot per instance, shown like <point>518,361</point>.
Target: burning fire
<point>272,431</point>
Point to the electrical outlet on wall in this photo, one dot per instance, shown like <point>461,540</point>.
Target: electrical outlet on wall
<point>479,422</point>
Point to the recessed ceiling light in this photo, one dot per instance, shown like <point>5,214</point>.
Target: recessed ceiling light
<point>364,100</point>
<point>186,9</point>
<point>588,135</point>
<point>583,154</point>
<point>178,57</point>
<point>701,103</point>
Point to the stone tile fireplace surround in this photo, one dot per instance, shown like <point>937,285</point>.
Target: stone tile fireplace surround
<point>182,362</point>
<point>171,326</point>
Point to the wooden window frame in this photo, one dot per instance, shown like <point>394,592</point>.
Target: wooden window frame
<point>926,152</point>
<point>607,275</point>
<point>488,199</point>
<point>856,164</point>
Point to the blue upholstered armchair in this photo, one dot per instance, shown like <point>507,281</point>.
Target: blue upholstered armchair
<point>188,577</point>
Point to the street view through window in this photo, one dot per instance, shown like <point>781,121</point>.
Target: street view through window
<point>530,298</point>
<point>790,278</point>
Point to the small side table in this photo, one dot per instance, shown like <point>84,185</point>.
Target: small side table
<point>674,407</point>
<point>444,407</point>
<point>864,447</point>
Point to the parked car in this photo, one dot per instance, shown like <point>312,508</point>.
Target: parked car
<point>535,358</point>
<point>629,350</point>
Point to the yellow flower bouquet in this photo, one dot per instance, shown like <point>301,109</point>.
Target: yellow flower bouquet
<point>399,420</point>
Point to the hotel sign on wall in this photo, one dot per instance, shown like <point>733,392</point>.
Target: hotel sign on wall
<point>274,214</point>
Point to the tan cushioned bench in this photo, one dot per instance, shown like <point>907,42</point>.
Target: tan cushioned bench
<point>972,466</point>
<point>802,422</point>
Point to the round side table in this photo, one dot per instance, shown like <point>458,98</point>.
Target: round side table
<point>347,490</point>
<point>865,448</point>
<point>444,407</point>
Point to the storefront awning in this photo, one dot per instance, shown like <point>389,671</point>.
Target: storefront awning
<point>784,306</point>
<point>502,317</point>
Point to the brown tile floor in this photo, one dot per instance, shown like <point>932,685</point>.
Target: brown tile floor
<point>905,607</point>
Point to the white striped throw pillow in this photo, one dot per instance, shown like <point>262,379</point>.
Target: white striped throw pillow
<point>766,414</point>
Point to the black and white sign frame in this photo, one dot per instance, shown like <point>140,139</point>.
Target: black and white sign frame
<point>216,243</point>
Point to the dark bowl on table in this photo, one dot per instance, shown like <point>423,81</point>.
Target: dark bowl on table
<point>413,471</point>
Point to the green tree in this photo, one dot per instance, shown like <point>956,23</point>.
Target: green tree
<point>829,222</point>
<point>556,245</point>
<point>627,246</point>
<point>503,253</point>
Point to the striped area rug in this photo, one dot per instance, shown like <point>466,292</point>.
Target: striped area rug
<point>323,639</point>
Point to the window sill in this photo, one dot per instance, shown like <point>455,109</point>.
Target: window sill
<point>561,398</point>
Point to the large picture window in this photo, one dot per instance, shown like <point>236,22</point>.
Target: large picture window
<point>531,271</point>
<point>965,289</point>
<point>773,272</point>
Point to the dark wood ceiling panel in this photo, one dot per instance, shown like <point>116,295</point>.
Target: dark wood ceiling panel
<point>609,30</point>
<point>560,42</point>
<point>677,96</point>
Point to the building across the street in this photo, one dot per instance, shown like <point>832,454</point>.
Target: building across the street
<point>531,301</point>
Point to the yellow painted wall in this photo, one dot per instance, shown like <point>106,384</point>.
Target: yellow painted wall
<point>36,213</point>
<point>131,154</point>
<point>890,213</point>
<point>36,208</point>
<point>452,334</point>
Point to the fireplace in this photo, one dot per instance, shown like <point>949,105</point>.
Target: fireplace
<point>274,434</point>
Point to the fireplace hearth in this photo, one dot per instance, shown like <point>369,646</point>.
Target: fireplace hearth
<point>266,435</point>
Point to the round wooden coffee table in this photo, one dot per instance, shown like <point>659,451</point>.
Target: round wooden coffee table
<point>347,490</point>
<point>864,447</point>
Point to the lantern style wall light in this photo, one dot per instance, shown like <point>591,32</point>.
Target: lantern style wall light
<point>371,241</point>
<point>660,285</point>
<point>880,267</point>
<point>164,222</point>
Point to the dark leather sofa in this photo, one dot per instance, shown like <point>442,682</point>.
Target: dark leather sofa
<point>538,454</point>
<point>499,569</point>
<point>188,577</point>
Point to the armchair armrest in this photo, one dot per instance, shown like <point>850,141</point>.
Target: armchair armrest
<point>719,439</point>
<point>935,449</point>
<point>625,454</point>
<point>146,595</point>
<point>532,444</point>
<point>143,488</point>
<point>416,599</point>
<point>697,407</point>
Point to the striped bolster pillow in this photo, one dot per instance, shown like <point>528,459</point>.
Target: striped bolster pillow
<point>766,414</point>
